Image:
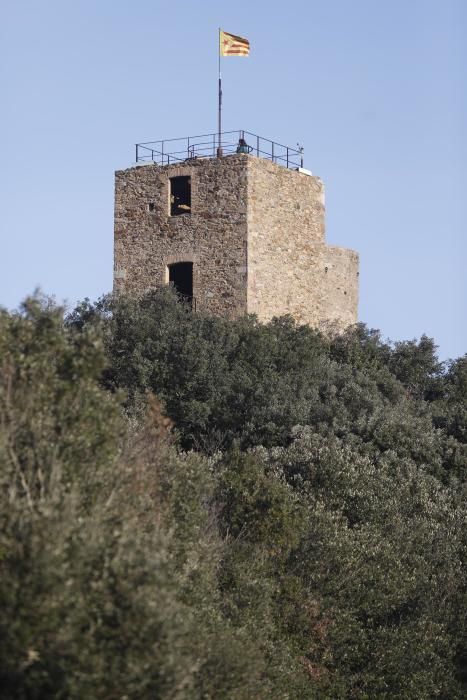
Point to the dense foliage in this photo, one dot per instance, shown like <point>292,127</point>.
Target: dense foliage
<point>194,507</point>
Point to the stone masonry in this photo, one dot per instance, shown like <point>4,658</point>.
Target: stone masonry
<point>255,236</point>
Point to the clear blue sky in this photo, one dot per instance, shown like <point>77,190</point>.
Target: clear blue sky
<point>375,91</point>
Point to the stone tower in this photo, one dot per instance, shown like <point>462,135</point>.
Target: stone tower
<point>237,234</point>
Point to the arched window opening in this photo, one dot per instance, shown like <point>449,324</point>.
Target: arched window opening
<point>181,278</point>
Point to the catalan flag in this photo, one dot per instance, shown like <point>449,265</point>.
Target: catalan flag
<point>231,45</point>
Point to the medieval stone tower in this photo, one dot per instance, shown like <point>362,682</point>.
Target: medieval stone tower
<point>234,234</point>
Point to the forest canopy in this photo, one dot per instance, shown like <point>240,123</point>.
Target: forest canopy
<point>196,507</point>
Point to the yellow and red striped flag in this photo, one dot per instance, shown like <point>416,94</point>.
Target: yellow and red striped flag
<point>231,45</point>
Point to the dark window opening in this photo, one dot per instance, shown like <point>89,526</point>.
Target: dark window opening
<point>151,206</point>
<point>180,195</point>
<point>181,277</point>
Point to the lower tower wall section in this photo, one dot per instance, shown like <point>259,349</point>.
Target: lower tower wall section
<point>317,287</point>
<point>338,283</point>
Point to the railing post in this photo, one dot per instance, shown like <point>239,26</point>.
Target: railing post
<point>162,152</point>
<point>188,147</point>
<point>272,151</point>
<point>257,146</point>
<point>287,156</point>
<point>136,153</point>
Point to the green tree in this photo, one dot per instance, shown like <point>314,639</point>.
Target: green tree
<point>109,553</point>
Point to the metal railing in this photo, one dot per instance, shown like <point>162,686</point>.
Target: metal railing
<point>186,148</point>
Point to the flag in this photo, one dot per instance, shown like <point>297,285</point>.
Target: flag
<point>231,45</point>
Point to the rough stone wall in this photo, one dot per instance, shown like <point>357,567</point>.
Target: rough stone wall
<point>290,268</point>
<point>255,236</point>
<point>213,236</point>
<point>338,283</point>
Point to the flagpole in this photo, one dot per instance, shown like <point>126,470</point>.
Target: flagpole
<point>219,116</point>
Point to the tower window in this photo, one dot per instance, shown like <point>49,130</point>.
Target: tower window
<point>181,277</point>
<point>180,195</point>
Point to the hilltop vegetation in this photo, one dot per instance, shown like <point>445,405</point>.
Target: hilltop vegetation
<point>198,508</point>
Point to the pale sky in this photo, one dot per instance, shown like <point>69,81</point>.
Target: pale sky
<point>374,90</point>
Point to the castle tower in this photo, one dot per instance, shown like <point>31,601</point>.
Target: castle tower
<point>237,234</point>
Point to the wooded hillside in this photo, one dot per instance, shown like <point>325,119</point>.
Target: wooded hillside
<point>195,508</point>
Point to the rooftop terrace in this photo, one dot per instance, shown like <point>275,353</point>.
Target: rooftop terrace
<point>188,148</point>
